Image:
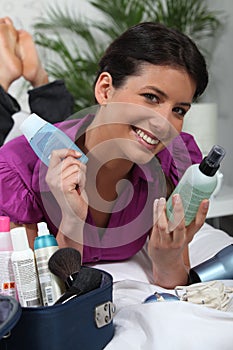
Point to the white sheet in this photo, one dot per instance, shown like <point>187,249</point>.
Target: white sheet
<point>174,325</point>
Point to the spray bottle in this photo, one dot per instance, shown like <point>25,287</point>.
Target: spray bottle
<point>24,268</point>
<point>45,137</point>
<point>44,246</point>
<point>198,183</point>
<point>7,280</point>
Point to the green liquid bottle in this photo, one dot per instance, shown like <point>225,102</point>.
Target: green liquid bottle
<point>198,183</point>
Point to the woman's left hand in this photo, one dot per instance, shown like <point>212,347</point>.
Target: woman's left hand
<point>169,241</point>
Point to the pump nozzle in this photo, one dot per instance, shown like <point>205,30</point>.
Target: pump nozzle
<point>215,156</point>
<point>42,229</point>
<point>211,162</point>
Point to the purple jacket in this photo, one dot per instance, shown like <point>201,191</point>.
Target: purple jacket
<point>25,197</point>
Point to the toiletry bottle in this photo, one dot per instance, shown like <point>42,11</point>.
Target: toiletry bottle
<point>197,183</point>
<point>7,280</point>
<point>44,246</point>
<point>45,137</point>
<point>24,268</point>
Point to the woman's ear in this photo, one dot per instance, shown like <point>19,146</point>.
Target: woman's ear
<point>103,88</point>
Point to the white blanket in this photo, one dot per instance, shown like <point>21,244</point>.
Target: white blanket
<point>175,325</point>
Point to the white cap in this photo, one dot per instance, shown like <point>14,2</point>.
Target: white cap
<point>42,229</point>
<point>19,238</point>
<point>32,125</point>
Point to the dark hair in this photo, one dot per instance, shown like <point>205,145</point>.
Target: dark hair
<point>156,44</point>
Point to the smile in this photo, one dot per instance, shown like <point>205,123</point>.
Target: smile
<point>149,139</point>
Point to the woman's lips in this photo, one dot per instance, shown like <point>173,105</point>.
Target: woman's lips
<point>146,138</point>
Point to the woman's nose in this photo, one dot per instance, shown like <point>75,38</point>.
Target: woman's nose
<point>162,124</point>
<point>165,110</point>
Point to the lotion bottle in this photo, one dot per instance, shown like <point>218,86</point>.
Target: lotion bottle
<point>45,137</point>
<point>198,183</point>
<point>7,280</point>
<point>24,268</point>
<point>44,246</point>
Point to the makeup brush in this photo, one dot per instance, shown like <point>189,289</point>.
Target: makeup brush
<point>86,280</point>
<point>65,263</point>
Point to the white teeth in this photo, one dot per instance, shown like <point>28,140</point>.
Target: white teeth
<point>146,138</point>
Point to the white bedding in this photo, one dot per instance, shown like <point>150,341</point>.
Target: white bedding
<point>167,325</point>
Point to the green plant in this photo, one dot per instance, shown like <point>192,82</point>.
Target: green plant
<point>74,44</point>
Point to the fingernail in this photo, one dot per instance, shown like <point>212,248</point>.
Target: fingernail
<point>176,198</point>
<point>78,154</point>
<point>162,201</point>
<point>206,205</point>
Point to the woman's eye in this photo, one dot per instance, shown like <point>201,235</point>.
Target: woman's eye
<point>180,111</point>
<point>151,97</point>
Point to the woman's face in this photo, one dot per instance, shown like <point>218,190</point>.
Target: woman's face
<point>164,91</point>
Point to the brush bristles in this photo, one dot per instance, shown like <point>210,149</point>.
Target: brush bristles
<point>87,279</point>
<point>65,262</point>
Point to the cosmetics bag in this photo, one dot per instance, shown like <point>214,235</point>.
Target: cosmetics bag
<point>82,323</point>
<point>10,312</point>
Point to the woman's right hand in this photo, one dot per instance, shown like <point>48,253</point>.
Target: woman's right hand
<point>66,177</point>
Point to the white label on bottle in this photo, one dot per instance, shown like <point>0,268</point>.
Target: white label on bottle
<point>27,282</point>
<point>45,280</point>
<point>49,295</point>
<point>51,289</point>
<point>7,279</point>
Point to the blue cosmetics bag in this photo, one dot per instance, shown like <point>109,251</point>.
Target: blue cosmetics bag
<point>10,312</point>
<point>82,323</point>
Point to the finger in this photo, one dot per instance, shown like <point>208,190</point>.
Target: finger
<point>57,156</point>
<point>63,172</point>
<point>178,224</point>
<point>74,176</point>
<point>200,218</point>
<point>154,237</point>
<point>162,222</point>
<point>70,171</point>
<point>178,212</point>
<point>155,212</point>
<point>202,212</point>
<point>69,161</point>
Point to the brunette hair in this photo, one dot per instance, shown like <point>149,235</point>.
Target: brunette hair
<point>156,44</point>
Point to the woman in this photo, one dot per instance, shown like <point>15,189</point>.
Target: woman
<point>147,80</point>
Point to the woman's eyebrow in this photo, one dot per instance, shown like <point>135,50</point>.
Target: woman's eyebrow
<point>157,90</point>
<point>163,94</point>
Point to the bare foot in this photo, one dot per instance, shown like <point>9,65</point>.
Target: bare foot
<point>11,66</point>
<point>32,68</point>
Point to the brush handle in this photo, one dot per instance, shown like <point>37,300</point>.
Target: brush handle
<point>68,295</point>
<point>70,280</point>
<point>82,282</point>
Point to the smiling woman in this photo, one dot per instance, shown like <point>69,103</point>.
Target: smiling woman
<point>147,80</point>
<point>152,87</point>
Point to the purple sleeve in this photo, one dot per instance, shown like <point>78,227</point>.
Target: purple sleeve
<point>179,155</point>
<point>18,199</point>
